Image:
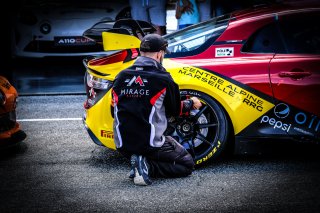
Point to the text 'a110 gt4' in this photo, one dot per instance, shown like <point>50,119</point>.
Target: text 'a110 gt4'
<point>256,71</point>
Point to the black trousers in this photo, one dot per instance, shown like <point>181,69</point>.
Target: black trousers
<point>170,160</point>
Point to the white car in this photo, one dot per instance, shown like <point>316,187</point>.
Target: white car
<point>55,28</point>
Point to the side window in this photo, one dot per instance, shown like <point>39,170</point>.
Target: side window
<point>265,40</point>
<point>301,33</point>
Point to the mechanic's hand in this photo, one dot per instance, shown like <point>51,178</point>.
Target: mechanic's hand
<point>196,103</point>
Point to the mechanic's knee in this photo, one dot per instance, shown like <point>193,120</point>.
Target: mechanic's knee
<point>188,171</point>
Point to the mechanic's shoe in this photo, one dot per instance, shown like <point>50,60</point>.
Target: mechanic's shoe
<point>131,173</point>
<point>132,166</point>
<point>141,170</point>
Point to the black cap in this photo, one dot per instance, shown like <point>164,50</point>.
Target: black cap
<point>153,43</point>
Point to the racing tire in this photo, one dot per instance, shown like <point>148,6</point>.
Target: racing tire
<point>204,133</point>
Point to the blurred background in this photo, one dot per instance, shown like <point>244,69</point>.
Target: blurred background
<point>42,45</point>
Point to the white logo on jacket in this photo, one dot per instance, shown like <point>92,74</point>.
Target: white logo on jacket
<point>136,80</point>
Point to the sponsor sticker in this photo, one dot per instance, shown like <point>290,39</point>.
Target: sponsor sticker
<point>106,134</point>
<point>224,52</point>
<point>276,124</point>
<point>282,110</point>
<point>73,41</point>
<point>224,87</point>
<point>291,120</point>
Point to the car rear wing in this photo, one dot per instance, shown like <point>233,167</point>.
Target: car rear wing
<point>119,35</point>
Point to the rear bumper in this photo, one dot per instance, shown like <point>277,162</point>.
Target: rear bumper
<point>91,134</point>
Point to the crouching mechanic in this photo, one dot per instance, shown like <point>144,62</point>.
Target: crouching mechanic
<point>144,96</point>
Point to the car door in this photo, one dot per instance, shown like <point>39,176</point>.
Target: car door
<point>258,51</point>
<point>295,75</point>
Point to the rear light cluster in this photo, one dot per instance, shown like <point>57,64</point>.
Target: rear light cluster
<point>96,88</point>
<point>97,83</point>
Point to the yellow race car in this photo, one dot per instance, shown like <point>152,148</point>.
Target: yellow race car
<point>252,84</point>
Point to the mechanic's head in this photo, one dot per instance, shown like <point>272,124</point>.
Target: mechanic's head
<point>154,46</point>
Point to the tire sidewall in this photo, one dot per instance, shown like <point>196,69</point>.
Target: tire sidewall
<point>223,130</point>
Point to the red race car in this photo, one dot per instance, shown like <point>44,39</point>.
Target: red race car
<point>256,71</point>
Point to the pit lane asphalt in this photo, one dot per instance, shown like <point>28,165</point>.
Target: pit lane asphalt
<point>59,169</point>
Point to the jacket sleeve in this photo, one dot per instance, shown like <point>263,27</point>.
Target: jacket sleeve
<point>174,105</point>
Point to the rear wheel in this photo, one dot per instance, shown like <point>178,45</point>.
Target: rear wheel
<point>205,131</point>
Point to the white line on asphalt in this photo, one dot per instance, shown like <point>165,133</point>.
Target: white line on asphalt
<point>49,119</point>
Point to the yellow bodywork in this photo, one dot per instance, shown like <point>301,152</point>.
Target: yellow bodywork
<point>116,41</point>
<point>242,106</point>
<point>228,94</point>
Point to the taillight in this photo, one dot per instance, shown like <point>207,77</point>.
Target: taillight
<point>96,88</point>
<point>97,83</point>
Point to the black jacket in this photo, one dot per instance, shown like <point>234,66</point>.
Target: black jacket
<point>144,95</point>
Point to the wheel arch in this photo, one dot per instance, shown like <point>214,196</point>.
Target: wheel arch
<point>230,113</point>
<point>227,144</point>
